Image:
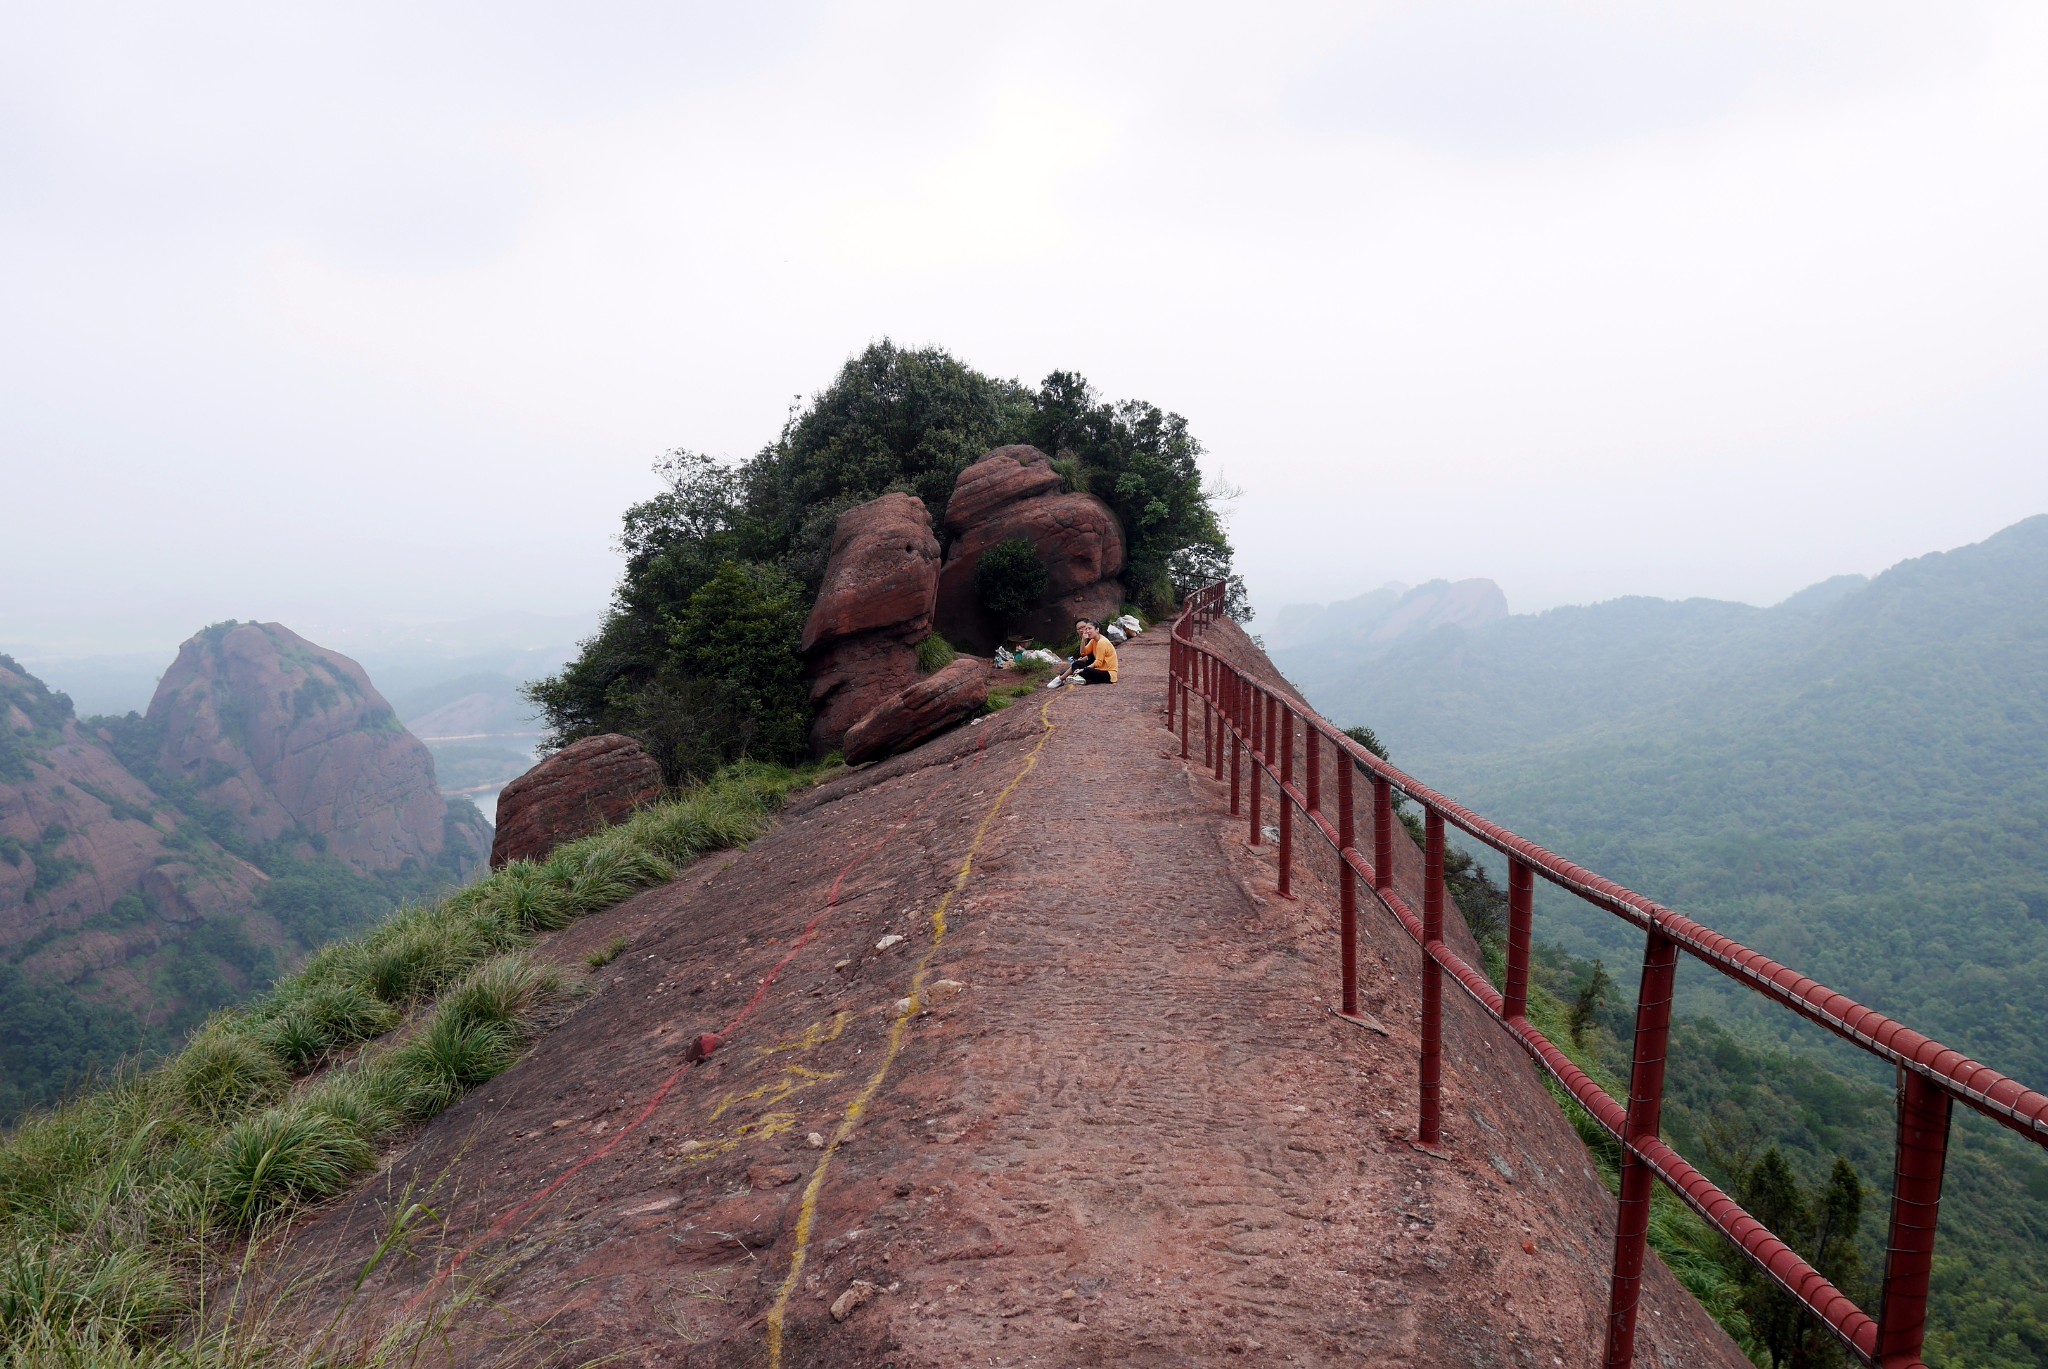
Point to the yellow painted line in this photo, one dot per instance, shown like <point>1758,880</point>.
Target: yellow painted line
<point>807,1213</point>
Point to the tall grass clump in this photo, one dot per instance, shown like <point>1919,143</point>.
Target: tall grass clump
<point>225,1071</point>
<point>283,1156</point>
<point>117,1208</point>
<point>934,654</point>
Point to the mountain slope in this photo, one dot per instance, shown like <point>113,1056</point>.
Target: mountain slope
<point>1855,781</point>
<point>1125,1132</point>
<point>154,869</point>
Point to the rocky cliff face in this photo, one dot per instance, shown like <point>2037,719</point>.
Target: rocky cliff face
<point>167,865</point>
<point>290,737</point>
<point>95,869</point>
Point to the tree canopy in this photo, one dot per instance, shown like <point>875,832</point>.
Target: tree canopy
<point>702,681</point>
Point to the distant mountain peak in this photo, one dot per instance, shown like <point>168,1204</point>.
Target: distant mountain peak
<point>1390,613</point>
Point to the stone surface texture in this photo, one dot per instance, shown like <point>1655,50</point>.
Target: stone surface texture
<point>920,711</point>
<point>1007,475</point>
<point>851,679</point>
<point>586,785</point>
<point>289,736</point>
<point>1137,1137</point>
<point>874,606</point>
<point>880,576</point>
<point>1076,536</point>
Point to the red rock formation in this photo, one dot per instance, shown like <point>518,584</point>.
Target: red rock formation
<point>289,736</point>
<point>99,877</point>
<point>921,711</point>
<point>875,605</point>
<point>1076,536</point>
<point>78,832</point>
<point>584,786</point>
<point>851,679</point>
<point>1007,475</point>
<point>881,574</point>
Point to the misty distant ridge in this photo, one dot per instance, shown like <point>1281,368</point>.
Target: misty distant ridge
<point>1381,617</point>
<point>1854,779</point>
<point>1395,610</point>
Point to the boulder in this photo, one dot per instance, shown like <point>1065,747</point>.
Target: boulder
<point>880,576</point>
<point>874,606</point>
<point>1007,475</point>
<point>925,708</point>
<point>851,679</point>
<point>584,786</point>
<point>1076,536</point>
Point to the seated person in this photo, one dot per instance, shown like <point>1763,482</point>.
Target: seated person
<point>1097,662</point>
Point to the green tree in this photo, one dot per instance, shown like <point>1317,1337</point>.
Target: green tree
<point>893,419</point>
<point>1586,1006</point>
<point>1771,1194</point>
<point>1010,578</point>
<point>1141,461</point>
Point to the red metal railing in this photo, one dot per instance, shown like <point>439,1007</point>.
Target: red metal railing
<point>1251,719</point>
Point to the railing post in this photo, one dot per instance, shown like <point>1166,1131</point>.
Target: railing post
<point>1645,1116</point>
<point>1347,885</point>
<point>1521,900</point>
<point>1286,889</point>
<point>1429,1131</point>
<point>1208,718</point>
<point>1225,680</point>
<point>1311,741</point>
<point>1172,676</point>
<point>1258,711</point>
<point>1924,1110</point>
<point>1236,739</point>
<point>1382,834</point>
<point>1184,706</point>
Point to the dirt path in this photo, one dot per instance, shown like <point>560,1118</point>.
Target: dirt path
<point>1131,1135</point>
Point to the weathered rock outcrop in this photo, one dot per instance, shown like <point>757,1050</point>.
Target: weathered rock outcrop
<point>290,737</point>
<point>920,711</point>
<point>1007,475</point>
<point>586,785</point>
<point>1014,492</point>
<point>79,833</point>
<point>874,606</point>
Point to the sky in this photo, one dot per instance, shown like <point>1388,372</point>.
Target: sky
<point>382,313</point>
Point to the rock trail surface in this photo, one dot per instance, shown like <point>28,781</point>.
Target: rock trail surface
<point>1129,1133</point>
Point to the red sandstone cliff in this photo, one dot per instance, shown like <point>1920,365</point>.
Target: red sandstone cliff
<point>291,737</point>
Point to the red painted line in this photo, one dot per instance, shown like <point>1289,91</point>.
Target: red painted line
<point>520,1212</point>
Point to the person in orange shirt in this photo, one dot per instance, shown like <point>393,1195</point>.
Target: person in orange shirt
<point>1097,662</point>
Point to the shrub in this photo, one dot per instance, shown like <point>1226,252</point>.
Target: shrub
<point>505,991</point>
<point>225,1071</point>
<point>605,869</point>
<point>452,1056</point>
<point>1010,579</point>
<point>935,653</point>
<point>283,1156</point>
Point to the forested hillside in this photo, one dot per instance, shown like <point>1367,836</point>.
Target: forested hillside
<point>1854,781</point>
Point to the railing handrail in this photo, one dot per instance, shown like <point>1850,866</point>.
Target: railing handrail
<point>1247,712</point>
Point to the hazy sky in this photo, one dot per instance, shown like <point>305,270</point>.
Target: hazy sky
<point>322,313</point>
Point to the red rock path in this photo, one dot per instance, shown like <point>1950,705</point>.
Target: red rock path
<point>1134,1137</point>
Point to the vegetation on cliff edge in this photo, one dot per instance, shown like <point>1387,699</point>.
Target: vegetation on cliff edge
<point>698,656</point>
<point>119,1211</point>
